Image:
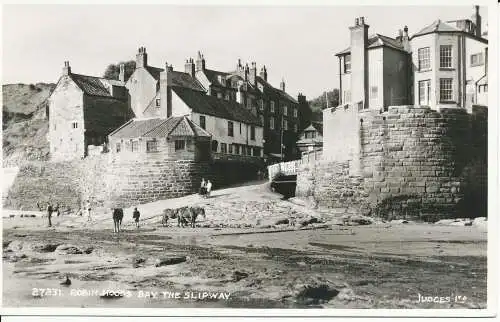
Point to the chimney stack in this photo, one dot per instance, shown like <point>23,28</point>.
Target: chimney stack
<point>66,68</point>
<point>476,19</point>
<point>263,73</point>
<point>359,62</point>
<point>200,62</point>
<point>189,67</point>
<point>165,91</point>
<point>406,40</point>
<point>141,59</point>
<point>253,74</point>
<point>282,84</point>
<point>246,72</point>
<point>122,73</point>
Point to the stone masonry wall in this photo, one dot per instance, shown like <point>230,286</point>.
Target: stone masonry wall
<point>415,163</point>
<point>39,181</point>
<point>145,181</point>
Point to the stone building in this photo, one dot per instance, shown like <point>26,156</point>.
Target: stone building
<point>83,110</point>
<point>236,133</point>
<point>174,138</point>
<point>443,65</point>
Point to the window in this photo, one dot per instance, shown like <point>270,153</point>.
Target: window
<point>230,128</point>
<point>373,92</point>
<point>483,88</point>
<point>295,112</point>
<point>445,56</point>
<point>476,59</point>
<point>261,104</point>
<point>75,125</point>
<point>424,58</point>
<point>236,149</point>
<point>249,150</point>
<point>445,89</point>
<point>157,102</point>
<point>226,97</point>
<point>219,95</point>
<point>230,148</point>
<point>295,127</point>
<point>135,146</point>
<point>180,145</point>
<point>252,132</point>
<point>215,145</point>
<point>152,146</point>
<point>203,122</point>
<point>347,63</point>
<point>262,119</point>
<point>285,125</point>
<point>256,152</point>
<point>128,146</point>
<point>285,110</point>
<point>223,147</point>
<point>271,123</point>
<point>424,89</point>
<point>272,107</point>
<point>347,96</point>
<point>240,128</point>
<point>118,147</point>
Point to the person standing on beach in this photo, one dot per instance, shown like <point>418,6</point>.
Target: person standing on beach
<point>49,213</point>
<point>88,209</point>
<point>208,189</point>
<point>203,186</point>
<point>136,215</point>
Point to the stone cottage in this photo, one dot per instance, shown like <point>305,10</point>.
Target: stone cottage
<point>174,138</point>
<point>83,110</point>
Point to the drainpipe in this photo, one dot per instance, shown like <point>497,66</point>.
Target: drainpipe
<point>340,80</point>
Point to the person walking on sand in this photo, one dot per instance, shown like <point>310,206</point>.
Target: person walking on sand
<point>49,213</point>
<point>208,189</point>
<point>136,215</point>
<point>88,209</point>
<point>57,210</point>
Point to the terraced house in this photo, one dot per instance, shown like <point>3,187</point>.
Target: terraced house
<point>441,66</point>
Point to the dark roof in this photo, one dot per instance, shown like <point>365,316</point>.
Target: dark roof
<point>90,85</point>
<point>154,71</point>
<point>213,76</point>
<point>178,78</point>
<point>378,40</point>
<point>210,105</point>
<point>276,90</point>
<point>159,128</point>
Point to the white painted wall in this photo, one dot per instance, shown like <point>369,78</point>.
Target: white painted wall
<point>66,107</point>
<point>142,89</point>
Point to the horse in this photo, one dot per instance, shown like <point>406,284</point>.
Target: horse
<point>188,215</point>
<point>168,214</point>
<point>117,219</point>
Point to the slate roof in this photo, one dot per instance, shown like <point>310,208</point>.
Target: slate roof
<point>276,90</point>
<point>178,78</point>
<point>160,128</point>
<point>436,26</point>
<point>91,85</point>
<point>210,105</point>
<point>213,76</point>
<point>377,40</point>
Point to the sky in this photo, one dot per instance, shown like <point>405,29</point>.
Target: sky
<point>297,44</point>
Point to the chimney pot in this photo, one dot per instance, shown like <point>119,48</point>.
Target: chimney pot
<point>362,20</point>
<point>356,22</point>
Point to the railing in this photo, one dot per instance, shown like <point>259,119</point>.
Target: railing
<point>290,167</point>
